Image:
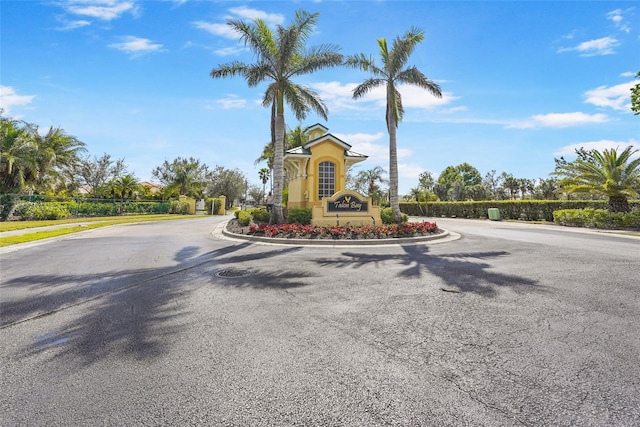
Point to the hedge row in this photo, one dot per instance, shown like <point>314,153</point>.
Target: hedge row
<point>52,210</point>
<point>530,210</point>
<point>598,218</point>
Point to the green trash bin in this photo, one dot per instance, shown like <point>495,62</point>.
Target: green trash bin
<point>494,214</point>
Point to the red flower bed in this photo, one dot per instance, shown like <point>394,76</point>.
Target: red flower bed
<point>293,231</point>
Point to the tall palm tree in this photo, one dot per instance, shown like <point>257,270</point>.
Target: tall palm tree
<point>17,157</point>
<point>367,180</point>
<point>57,154</point>
<point>264,175</point>
<point>124,187</point>
<point>390,74</point>
<point>607,173</point>
<point>187,177</point>
<point>17,163</point>
<point>281,56</point>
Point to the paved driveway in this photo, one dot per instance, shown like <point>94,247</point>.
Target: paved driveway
<point>167,324</point>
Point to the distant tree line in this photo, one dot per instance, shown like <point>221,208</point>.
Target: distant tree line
<point>54,163</point>
<point>464,182</point>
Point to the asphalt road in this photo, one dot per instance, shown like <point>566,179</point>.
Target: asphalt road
<point>168,324</point>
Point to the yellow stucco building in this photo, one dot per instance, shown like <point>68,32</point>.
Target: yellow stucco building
<point>317,178</point>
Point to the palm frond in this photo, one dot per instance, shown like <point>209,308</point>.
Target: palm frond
<point>313,101</point>
<point>367,86</point>
<point>228,70</point>
<point>317,58</point>
<point>295,101</point>
<point>402,49</point>
<point>305,24</point>
<point>415,77</point>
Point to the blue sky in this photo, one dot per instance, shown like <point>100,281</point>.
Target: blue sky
<point>523,82</point>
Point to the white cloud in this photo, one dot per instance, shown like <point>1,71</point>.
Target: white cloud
<point>560,120</point>
<point>228,51</point>
<point>618,20</point>
<point>217,29</point>
<point>106,10</point>
<point>412,97</point>
<point>455,109</point>
<point>136,45</point>
<point>570,150</point>
<point>339,96</point>
<point>9,98</point>
<point>336,95</point>
<point>410,171</point>
<point>231,102</point>
<point>617,97</point>
<point>601,46</point>
<point>72,25</point>
<point>247,13</point>
<point>364,143</point>
<point>243,12</point>
<point>419,98</point>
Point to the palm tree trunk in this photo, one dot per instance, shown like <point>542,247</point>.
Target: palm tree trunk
<point>277,216</point>
<point>393,168</point>
<point>619,204</point>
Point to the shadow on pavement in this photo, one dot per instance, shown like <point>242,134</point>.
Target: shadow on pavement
<point>133,313</point>
<point>462,272</point>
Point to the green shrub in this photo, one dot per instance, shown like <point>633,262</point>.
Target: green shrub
<point>21,209</point>
<point>178,207</point>
<point>146,207</point>
<point>44,211</point>
<point>93,209</point>
<point>244,218</point>
<point>509,209</point>
<point>597,218</point>
<point>299,216</point>
<point>627,220</point>
<point>260,215</point>
<point>386,214</point>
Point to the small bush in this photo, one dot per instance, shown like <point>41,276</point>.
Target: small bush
<point>244,218</point>
<point>299,216</point>
<point>22,208</point>
<point>597,218</point>
<point>178,207</point>
<point>260,215</point>
<point>386,214</point>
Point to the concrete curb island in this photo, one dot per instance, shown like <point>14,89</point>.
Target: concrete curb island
<point>445,236</point>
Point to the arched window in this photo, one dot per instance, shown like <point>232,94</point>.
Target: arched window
<point>326,179</point>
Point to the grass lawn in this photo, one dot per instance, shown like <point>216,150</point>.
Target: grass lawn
<point>73,226</point>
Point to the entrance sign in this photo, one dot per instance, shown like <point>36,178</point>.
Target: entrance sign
<point>348,203</point>
<point>346,208</point>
